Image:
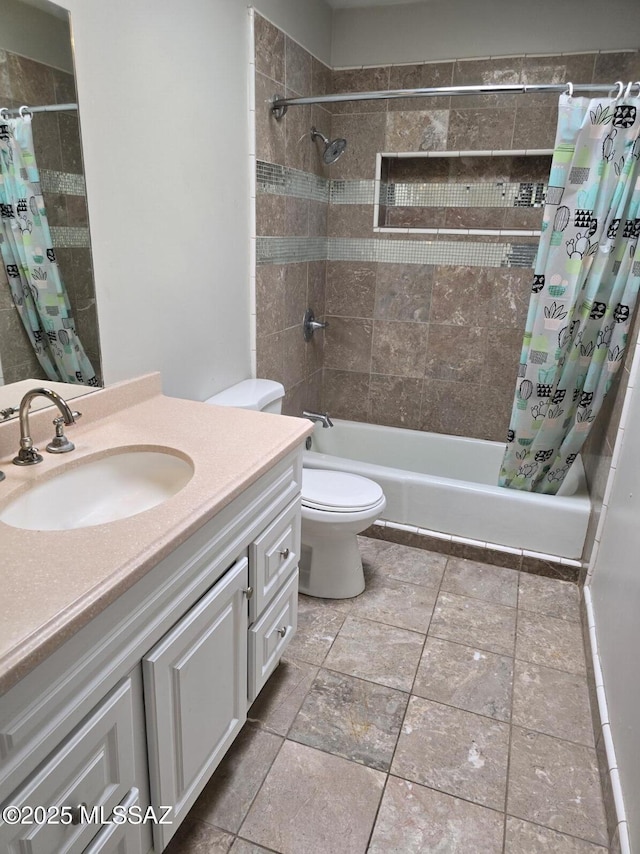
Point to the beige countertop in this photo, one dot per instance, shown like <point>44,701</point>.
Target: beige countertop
<point>54,582</point>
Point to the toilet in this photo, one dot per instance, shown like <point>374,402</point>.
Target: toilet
<point>336,507</point>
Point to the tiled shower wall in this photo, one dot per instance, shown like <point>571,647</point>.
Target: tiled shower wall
<point>436,346</point>
<point>432,346</point>
<point>285,290</point>
<point>56,139</point>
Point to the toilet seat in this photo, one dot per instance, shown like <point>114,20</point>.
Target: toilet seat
<point>338,492</point>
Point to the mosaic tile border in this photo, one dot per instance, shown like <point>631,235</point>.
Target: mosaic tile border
<point>63,183</point>
<point>354,192</point>
<point>70,237</point>
<point>287,250</point>
<point>284,181</point>
<point>464,195</point>
<point>290,250</point>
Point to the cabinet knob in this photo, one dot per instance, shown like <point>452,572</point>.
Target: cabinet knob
<point>248,592</point>
<point>76,813</point>
<point>284,554</point>
<point>283,630</point>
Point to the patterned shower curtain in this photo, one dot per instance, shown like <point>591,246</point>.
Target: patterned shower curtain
<point>29,260</point>
<point>584,290</point>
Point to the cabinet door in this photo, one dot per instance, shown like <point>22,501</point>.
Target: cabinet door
<point>94,767</point>
<point>195,682</point>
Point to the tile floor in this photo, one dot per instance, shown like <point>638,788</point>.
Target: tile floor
<point>443,710</point>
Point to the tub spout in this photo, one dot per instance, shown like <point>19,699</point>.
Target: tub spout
<point>322,417</point>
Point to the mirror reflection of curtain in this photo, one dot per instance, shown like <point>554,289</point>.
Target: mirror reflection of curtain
<point>29,260</point>
<point>584,290</point>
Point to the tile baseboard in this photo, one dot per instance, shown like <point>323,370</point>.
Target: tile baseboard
<point>536,563</point>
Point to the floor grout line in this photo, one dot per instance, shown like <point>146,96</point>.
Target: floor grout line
<point>293,715</point>
<point>513,685</point>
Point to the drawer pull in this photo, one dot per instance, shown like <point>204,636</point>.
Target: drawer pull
<point>283,630</point>
<point>77,812</point>
<point>284,554</point>
<point>248,592</point>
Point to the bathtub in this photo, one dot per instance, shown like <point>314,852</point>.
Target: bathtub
<point>448,484</point>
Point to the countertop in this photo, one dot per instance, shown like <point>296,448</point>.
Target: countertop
<point>55,582</point>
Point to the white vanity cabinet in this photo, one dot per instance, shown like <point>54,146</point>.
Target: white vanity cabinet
<point>140,705</point>
<point>94,770</point>
<point>196,694</point>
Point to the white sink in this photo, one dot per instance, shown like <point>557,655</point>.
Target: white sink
<point>101,490</point>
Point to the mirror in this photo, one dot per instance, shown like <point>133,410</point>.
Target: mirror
<point>36,69</point>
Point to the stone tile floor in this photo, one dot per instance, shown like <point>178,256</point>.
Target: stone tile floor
<point>444,710</point>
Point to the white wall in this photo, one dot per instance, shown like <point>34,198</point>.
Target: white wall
<point>450,29</point>
<point>615,591</point>
<point>307,21</point>
<point>162,88</point>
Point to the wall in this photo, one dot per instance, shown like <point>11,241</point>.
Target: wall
<point>429,345</point>
<point>615,591</point>
<point>162,89</point>
<point>163,97</point>
<point>308,23</point>
<point>56,138</point>
<point>291,207</point>
<point>598,450</point>
<point>441,29</point>
<point>420,344</point>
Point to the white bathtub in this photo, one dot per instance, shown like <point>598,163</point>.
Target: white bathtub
<point>448,484</point>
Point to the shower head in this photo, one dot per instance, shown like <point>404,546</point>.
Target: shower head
<point>333,148</point>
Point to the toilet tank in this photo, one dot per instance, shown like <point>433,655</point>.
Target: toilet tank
<point>262,395</point>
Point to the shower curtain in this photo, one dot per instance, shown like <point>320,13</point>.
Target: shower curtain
<point>584,290</point>
<point>29,260</point>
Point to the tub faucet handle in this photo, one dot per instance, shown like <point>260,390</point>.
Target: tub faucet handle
<point>310,324</point>
<point>322,417</point>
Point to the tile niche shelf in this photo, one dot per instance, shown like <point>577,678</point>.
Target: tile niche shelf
<point>474,193</point>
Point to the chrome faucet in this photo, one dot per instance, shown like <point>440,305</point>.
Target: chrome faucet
<point>28,455</point>
<point>310,324</point>
<point>322,417</point>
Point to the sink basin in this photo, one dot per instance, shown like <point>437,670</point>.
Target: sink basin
<point>99,490</point>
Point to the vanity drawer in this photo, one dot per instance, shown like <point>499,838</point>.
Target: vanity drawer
<point>94,766</point>
<point>272,557</point>
<point>270,636</point>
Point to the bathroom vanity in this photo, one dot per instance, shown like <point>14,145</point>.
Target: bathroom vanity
<point>132,650</point>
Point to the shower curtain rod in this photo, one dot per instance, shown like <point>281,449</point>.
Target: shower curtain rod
<point>46,108</point>
<point>279,105</point>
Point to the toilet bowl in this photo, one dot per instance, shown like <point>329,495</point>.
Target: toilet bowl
<point>336,507</point>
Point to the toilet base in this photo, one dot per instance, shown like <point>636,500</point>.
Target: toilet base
<point>330,568</point>
<point>330,562</point>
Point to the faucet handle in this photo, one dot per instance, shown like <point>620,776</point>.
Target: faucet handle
<point>59,421</point>
<point>60,444</point>
<point>310,324</point>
